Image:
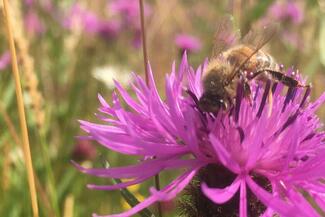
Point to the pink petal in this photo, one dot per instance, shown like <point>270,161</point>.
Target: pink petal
<point>301,202</point>
<point>167,193</point>
<point>219,195</point>
<point>224,155</point>
<point>119,185</point>
<point>128,99</point>
<point>243,199</point>
<point>271,201</point>
<point>147,167</point>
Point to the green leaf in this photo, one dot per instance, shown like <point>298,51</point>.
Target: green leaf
<point>9,94</point>
<point>132,200</point>
<point>127,195</point>
<point>312,3</point>
<point>259,10</point>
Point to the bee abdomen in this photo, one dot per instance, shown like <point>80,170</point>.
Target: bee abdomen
<point>266,61</point>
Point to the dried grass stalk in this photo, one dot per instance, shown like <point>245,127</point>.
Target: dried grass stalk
<point>68,206</point>
<point>30,77</point>
<point>21,111</point>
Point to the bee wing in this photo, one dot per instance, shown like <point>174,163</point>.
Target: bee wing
<point>225,35</point>
<point>258,37</point>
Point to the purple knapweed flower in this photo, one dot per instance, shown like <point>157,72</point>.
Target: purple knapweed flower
<point>128,11</point>
<point>5,60</point>
<point>128,14</point>
<point>29,2</point>
<point>188,42</point>
<point>280,143</point>
<point>290,14</point>
<point>109,29</point>
<point>33,24</point>
<point>286,11</point>
<point>83,150</point>
<point>81,18</point>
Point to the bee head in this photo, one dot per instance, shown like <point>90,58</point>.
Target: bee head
<point>211,102</point>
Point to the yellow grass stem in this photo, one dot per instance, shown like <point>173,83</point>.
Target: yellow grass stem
<point>31,84</point>
<point>68,206</point>
<point>27,63</point>
<point>21,112</point>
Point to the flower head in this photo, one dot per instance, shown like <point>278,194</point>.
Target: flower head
<point>29,2</point>
<point>291,15</point>
<point>33,24</point>
<point>279,143</point>
<point>83,150</point>
<point>109,29</point>
<point>4,60</point>
<point>128,11</point>
<point>81,19</point>
<point>188,42</point>
<point>288,10</point>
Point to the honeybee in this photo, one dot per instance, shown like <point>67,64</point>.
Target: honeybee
<point>243,62</point>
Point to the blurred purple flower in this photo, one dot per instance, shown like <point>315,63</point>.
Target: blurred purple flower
<point>137,39</point>
<point>291,15</point>
<point>287,11</point>
<point>83,150</point>
<point>29,2</point>
<point>293,39</point>
<point>5,60</point>
<point>283,143</point>
<point>48,6</point>
<point>295,12</point>
<point>90,22</point>
<point>109,29</point>
<point>188,42</point>
<point>128,11</point>
<point>33,24</point>
<point>80,18</point>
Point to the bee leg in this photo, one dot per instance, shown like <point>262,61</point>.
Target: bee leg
<point>246,87</point>
<point>270,95</point>
<point>283,78</point>
<point>270,100</point>
<point>248,93</point>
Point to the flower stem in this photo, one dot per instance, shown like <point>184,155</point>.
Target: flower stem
<point>21,112</point>
<point>157,185</point>
<point>145,60</point>
<point>144,44</point>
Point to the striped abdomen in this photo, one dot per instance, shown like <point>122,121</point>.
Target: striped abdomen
<point>254,62</point>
